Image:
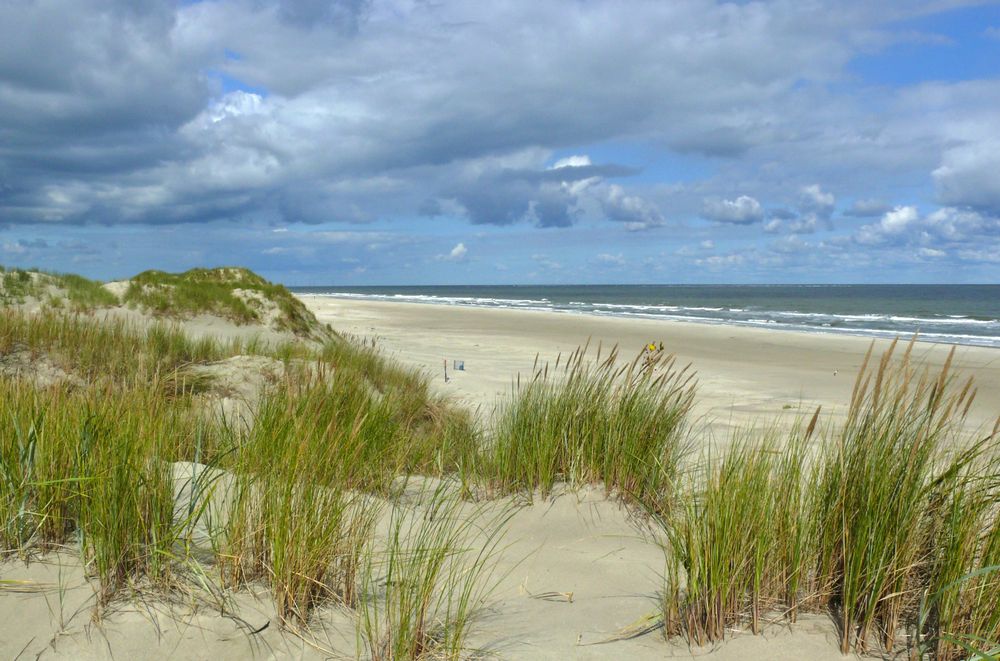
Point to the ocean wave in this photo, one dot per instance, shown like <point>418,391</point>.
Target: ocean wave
<point>953,328</point>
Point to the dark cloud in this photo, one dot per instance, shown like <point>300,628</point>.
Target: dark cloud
<point>548,197</point>
<point>867,208</point>
<point>341,14</point>
<point>360,111</point>
<point>969,177</point>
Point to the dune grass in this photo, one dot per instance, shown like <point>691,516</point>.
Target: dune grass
<point>92,469</point>
<point>234,293</point>
<point>57,290</point>
<point>874,501</point>
<point>88,462</point>
<point>83,294</point>
<point>421,591</point>
<point>111,350</point>
<point>888,522</point>
<point>739,540</point>
<point>890,507</point>
<point>593,422</point>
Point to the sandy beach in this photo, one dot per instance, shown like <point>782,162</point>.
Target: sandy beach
<point>745,375</point>
<point>577,574</point>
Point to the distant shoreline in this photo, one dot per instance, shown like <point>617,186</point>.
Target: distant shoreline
<point>744,374</point>
<point>790,321</point>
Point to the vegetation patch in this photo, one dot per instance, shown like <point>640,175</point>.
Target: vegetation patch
<point>18,286</point>
<point>236,294</point>
<point>889,523</point>
<point>594,422</point>
<point>892,527</point>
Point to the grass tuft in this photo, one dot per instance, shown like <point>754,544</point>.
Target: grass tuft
<point>594,422</point>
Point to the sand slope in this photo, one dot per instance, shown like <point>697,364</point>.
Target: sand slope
<point>578,544</point>
<point>602,566</point>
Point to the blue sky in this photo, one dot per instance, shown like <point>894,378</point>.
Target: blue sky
<point>410,142</point>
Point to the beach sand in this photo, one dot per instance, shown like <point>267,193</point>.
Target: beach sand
<point>745,375</point>
<point>578,542</point>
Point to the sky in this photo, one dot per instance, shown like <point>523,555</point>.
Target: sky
<point>353,142</point>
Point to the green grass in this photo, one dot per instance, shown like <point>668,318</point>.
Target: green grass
<point>961,606</point>
<point>890,522</point>
<point>218,291</point>
<point>79,467</point>
<point>422,591</point>
<point>863,523</point>
<point>737,543</point>
<point>88,463</point>
<point>57,290</point>
<point>17,284</point>
<point>593,422</point>
<point>874,494</point>
<point>111,350</point>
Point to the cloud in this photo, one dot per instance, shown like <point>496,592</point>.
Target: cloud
<point>250,114</point>
<point>744,210</point>
<point>354,110</point>
<point>636,213</point>
<point>967,175</point>
<point>807,224</point>
<point>572,162</point>
<point>504,191</point>
<point>893,224</point>
<point>817,202</point>
<point>343,15</point>
<point>947,226</point>
<point>721,261</point>
<point>607,259</point>
<point>867,208</point>
<point>457,254</point>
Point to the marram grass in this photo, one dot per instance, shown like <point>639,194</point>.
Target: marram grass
<point>888,522</point>
<point>86,462</point>
<point>422,589</point>
<point>623,425</point>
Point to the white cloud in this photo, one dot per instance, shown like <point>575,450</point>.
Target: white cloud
<point>932,253</point>
<point>635,212</point>
<point>806,224</point>
<point>815,200</point>
<point>893,223</point>
<point>457,254</point>
<point>607,259</point>
<point>741,211</point>
<point>897,220</point>
<point>987,256</point>
<point>572,162</point>
<point>721,261</point>
<point>943,227</point>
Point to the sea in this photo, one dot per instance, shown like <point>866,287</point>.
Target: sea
<point>954,314</point>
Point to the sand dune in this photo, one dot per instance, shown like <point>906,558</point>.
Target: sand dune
<point>576,570</point>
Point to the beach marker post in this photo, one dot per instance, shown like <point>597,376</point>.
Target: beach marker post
<point>445,361</point>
